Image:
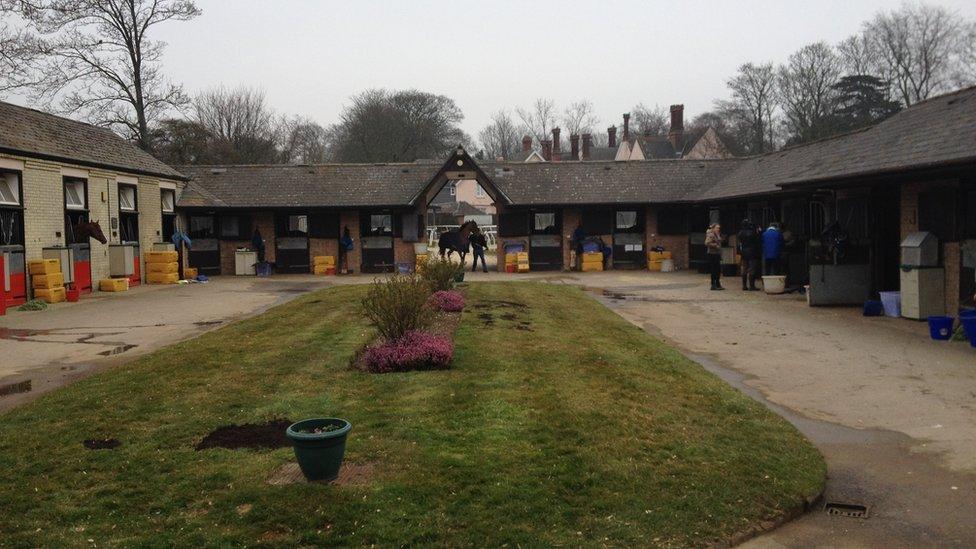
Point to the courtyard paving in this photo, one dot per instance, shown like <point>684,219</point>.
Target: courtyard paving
<point>891,410</point>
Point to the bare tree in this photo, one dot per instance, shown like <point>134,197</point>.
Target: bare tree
<point>806,91</point>
<point>650,120</point>
<point>928,49</point>
<point>304,141</point>
<point>580,118</point>
<point>539,120</point>
<point>501,137</point>
<point>94,59</point>
<point>245,129</point>
<point>753,105</point>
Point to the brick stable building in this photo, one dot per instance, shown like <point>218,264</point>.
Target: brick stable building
<point>55,173</point>
<point>914,171</point>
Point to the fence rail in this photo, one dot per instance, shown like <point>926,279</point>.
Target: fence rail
<point>434,232</point>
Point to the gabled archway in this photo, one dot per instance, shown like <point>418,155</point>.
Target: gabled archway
<point>458,167</point>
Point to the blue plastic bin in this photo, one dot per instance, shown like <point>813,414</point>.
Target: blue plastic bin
<point>969,326</point>
<point>262,268</point>
<point>940,327</point>
<point>873,307</point>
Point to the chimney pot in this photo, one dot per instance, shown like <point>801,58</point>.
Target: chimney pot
<point>612,137</point>
<point>547,150</point>
<point>574,141</point>
<point>526,143</point>
<point>587,145</point>
<point>626,126</point>
<point>556,147</point>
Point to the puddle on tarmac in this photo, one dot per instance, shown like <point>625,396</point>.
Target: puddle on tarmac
<point>15,388</point>
<point>117,350</point>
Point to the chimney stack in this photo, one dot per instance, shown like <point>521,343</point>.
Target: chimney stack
<point>547,150</point>
<point>626,126</point>
<point>677,134</point>
<point>556,148</point>
<point>526,143</point>
<point>574,147</point>
<point>587,145</point>
<point>612,137</point>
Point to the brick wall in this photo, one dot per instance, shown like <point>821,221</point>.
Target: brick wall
<point>571,218</point>
<point>264,222</point>
<point>952,257</point>
<point>403,252</point>
<point>228,249</point>
<point>43,194</point>
<point>323,246</point>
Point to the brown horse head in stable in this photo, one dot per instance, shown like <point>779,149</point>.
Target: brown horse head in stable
<point>90,230</point>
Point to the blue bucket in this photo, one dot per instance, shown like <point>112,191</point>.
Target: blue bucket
<point>873,307</point>
<point>940,327</point>
<point>969,326</point>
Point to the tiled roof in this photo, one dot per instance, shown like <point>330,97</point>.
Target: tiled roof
<point>296,186</point>
<point>606,182</point>
<point>38,134</point>
<point>938,131</point>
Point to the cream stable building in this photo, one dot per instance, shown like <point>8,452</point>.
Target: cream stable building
<point>56,173</point>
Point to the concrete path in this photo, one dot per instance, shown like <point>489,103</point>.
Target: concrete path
<point>892,410</point>
<point>71,340</point>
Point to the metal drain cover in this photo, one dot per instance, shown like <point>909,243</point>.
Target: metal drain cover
<point>851,510</point>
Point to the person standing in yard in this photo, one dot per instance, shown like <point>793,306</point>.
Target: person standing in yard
<point>579,235</point>
<point>478,245</point>
<point>748,241</point>
<point>257,243</point>
<point>772,245</point>
<point>713,248</point>
<point>345,246</point>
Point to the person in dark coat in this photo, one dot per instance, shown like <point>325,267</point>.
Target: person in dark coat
<point>345,246</point>
<point>749,244</point>
<point>257,242</point>
<point>579,235</point>
<point>713,250</point>
<point>478,245</point>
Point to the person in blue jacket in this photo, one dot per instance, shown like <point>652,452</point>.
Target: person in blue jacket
<point>772,245</point>
<point>346,245</point>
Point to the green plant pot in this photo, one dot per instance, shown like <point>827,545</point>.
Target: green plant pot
<point>459,277</point>
<point>319,454</point>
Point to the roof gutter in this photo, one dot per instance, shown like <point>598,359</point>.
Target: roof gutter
<point>89,164</point>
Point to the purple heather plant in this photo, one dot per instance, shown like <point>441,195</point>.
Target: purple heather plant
<point>448,301</point>
<point>415,350</point>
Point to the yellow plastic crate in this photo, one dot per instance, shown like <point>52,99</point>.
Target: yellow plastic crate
<point>162,278</point>
<point>523,267</point>
<point>592,267</point>
<point>172,267</point>
<point>593,257</point>
<point>324,269</point>
<point>43,266</point>
<point>654,265</point>
<point>657,256</point>
<point>51,295</point>
<point>162,257</point>
<point>113,284</point>
<point>53,280</point>
<point>511,259</point>
<point>190,272</point>
<point>523,257</point>
<point>328,260</point>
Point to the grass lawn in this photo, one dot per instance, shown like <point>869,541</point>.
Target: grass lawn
<point>576,428</point>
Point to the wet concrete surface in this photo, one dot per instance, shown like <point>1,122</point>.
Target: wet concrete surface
<point>913,498</point>
<point>43,350</point>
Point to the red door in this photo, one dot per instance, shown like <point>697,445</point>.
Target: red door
<point>13,281</point>
<point>83,279</point>
<point>136,277</point>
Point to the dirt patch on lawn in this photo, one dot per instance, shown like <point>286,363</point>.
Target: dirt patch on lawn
<point>101,443</point>
<point>351,474</point>
<point>249,435</point>
<point>510,314</point>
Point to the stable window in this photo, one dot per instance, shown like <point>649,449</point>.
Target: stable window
<point>544,222</point>
<point>453,189</point>
<point>10,189</point>
<point>75,197</point>
<point>230,227</point>
<point>626,221</point>
<point>383,223</point>
<point>298,224</point>
<point>168,199</point>
<point>202,226</point>
<point>127,198</point>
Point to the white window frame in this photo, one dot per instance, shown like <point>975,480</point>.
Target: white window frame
<point>80,185</point>
<point>123,190</point>
<point>479,191</point>
<point>162,201</point>
<point>453,189</point>
<point>10,184</point>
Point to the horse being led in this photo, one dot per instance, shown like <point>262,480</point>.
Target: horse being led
<point>84,230</point>
<point>456,240</point>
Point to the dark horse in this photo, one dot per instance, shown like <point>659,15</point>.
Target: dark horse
<point>85,230</point>
<point>456,240</point>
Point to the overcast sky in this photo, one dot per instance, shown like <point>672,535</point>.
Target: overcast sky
<point>309,56</point>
